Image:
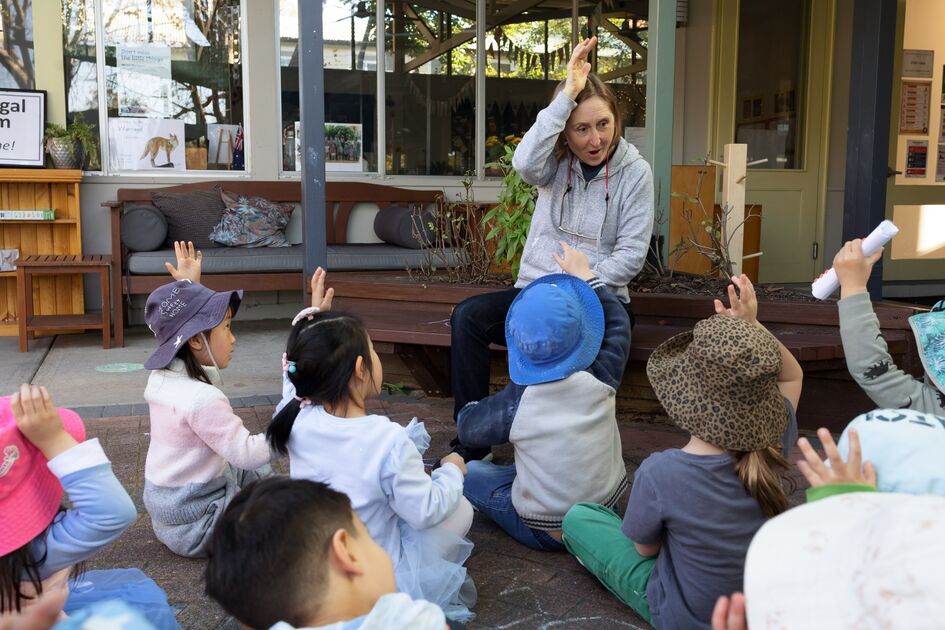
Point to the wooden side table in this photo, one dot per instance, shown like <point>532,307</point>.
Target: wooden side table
<point>29,323</point>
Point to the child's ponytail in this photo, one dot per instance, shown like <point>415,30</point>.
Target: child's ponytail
<point>323,352</point>
<point>281,427</point>
<point>764,473</point>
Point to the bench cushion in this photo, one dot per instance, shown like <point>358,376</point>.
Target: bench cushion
<point>353,257</point>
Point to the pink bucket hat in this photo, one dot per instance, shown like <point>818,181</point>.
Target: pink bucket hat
<point>30,495</point>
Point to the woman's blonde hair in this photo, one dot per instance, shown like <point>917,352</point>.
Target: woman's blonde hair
<point>764,473</point>
<point>593,87</point>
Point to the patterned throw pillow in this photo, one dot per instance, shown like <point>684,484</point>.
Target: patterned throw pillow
<point>252,222</point>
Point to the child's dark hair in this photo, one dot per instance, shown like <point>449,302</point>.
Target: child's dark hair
<point>21,566</point>
<point>267,557</point>
<point>192,365</point>
<point>324,350</point>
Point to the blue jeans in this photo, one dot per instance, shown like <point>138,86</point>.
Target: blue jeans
<point>489,488</point>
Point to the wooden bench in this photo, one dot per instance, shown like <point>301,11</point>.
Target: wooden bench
<point>341,198</point>
<point>29,323</point>
<point>412,320</point>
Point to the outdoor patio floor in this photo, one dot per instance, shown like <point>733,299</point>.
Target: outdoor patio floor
<point>518,587</point>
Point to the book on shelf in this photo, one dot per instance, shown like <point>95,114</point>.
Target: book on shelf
<point>27,215</point>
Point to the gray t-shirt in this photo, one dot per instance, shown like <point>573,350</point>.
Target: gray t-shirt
<point>698,509</point>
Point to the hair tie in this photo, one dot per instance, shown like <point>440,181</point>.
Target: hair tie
<point>288,366</point>
<point>303,401</point>
<point>305,313</point>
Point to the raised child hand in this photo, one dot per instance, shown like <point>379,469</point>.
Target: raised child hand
<point>39,422</point>
<point>321,298</point>
<point>819,474</point>
<point>743,304</point>
<point>853,268</point>
<point>579,68</point>
<point>573,262</point>
<point>188,263</point>
<point>729,614</point>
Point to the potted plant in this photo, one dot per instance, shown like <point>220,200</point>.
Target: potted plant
<point>510,219</point>
<point>71,147</point>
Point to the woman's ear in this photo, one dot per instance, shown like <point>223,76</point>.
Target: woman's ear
<point>195,343</point>
<point>359,368</point>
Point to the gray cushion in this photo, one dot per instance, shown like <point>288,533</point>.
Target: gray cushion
<point>395,225</point>
<point>191,216</point>
<point>352,257</point>
<point>143,228</point>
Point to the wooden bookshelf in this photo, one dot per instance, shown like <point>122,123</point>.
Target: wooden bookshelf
<point>30,189</point>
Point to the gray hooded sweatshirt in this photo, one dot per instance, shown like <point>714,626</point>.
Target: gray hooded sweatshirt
<point>615,236</point>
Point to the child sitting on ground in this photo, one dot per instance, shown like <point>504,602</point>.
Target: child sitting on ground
<point>693,511</point>
<point>867,356</point>
<point>330,372</point>
<point>200,453</point>
<point>45,455</point>
<point>902,450</point>
<point>316,558</point>
<point>568,342</point>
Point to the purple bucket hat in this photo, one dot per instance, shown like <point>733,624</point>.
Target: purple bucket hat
<point>180,310</point>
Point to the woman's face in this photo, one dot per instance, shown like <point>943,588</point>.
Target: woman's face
<point>590,130</point>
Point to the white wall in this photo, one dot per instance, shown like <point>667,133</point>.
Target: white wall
<point>693,84</point>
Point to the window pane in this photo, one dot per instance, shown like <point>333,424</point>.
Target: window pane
<point>430,60</point>
<point>772,49</point>
<point>527,56</point>
<point>78,40</point>
<point>174,84</point>
<point>16,41</point>
<point>350,62</point>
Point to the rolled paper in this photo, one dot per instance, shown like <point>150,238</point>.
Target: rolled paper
<point>824,286</point>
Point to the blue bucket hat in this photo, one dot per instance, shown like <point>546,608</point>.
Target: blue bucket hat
<point>180,310</point>
<point>905,447</point>
<point>929,330</point>
<point>554,328</point>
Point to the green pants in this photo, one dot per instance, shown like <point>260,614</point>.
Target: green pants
<point>592,534</point>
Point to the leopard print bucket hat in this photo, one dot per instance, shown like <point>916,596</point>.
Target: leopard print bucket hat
<point>719,383</point>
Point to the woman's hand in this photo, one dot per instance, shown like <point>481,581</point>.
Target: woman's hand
<point>573,262</point>
<point>321,298</point>
<point>39,422</point>
<point>744,304</point>
<point>579,68</point>
<point>188,262</point>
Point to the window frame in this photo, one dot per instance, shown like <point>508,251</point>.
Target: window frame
<point>166,174</point>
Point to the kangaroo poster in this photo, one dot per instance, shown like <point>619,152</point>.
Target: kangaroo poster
<point>144,144</point>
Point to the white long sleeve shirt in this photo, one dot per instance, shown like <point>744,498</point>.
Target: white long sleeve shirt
<point>373,461</point>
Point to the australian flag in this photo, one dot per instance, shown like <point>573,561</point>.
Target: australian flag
<point>239,162</point>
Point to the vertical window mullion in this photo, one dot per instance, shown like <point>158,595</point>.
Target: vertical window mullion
<point>480,134</point>
<point>381,99</point>
<point>102,88</point>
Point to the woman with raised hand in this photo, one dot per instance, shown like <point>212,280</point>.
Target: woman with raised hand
<point>595,192</point>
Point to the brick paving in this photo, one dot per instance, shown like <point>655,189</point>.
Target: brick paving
<point>518,587</point>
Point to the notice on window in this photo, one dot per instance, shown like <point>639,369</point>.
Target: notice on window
<point>914,106</point>
<point>144,80</point>
<point>940,164</point>
<point>917,63</point>
<point>136,144</point>
<point>917,154</point>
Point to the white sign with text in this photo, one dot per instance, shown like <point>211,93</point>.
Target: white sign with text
<point>22,121</point>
